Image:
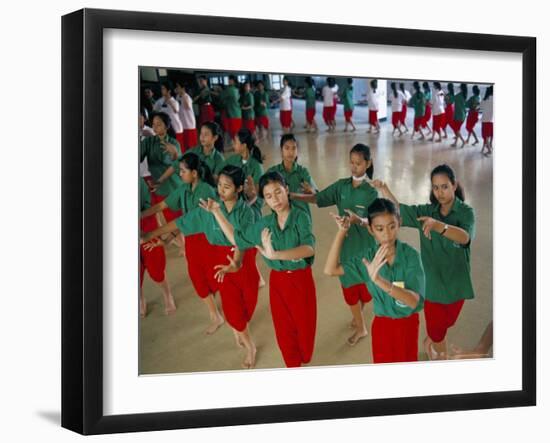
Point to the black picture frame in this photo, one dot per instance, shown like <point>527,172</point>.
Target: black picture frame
<point>82,219</point>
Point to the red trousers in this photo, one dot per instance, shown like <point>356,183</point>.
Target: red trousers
<point>233,126</point>
<point>438,122</point>
<point>395,339</point>
<point>238,290</point>
<point>373,117</point>
<point>329,113</point>
<point>348,115</point>
<point>294,312</point>
<point>396,118</point>
<point>487,129</point>
<point>403,113</point>
<point>310,114</point>
<point>356,293</point>
<point>449,114</point>
<point>250,124</point>
<point>263,120</point>
<point>471,121</point>
<point>285,118</point>
<point>427,116</point>
<point>200,264</point>
<point>418,123</point>
<point>456,125</point>
<point>206,114</point>
<point>154,261</point>
<point>440,317</point>
<point>190,139</point>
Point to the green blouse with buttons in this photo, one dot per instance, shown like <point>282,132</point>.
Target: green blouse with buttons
<point>406,271</point>
<point>186,198</point>
<point>247,99</point>
<point>215,160</point>
<point>446,263</point>
<point>158,161</point>
<point>296,232</point>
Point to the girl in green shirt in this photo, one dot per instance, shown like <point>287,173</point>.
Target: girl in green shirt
<point>448,227</point>
<point>393,273</point>
<point>459,114</point>
<point>198,184</point>
<point>418,101</point>
<point>352,196</point>
<point>285,239</point>
<point>473,114</point>
<point>261,109</point>
<point>247,107</point>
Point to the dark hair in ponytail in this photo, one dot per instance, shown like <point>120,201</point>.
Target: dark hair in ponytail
<point>364,150</point>
<point>381,206</point>
<point>215,129</point>
<point>437,86</point>
<point>464,90</point>
<point>393,87</point>
<point>270,177</point>
<point>235,174</point>
<point>194,163</point>
<point>451,88</point>
<point>246,137</point>
<point>426,86</point>
<point>166,120</point>
<point>476,90</point>
<point>309,81</point>
<point>488,92</point>
<point>416,86</point>
<point>402,87</point>
<point>448,171</point>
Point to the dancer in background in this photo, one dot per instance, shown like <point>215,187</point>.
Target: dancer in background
<point>487,121</point>
<point>473,104</point>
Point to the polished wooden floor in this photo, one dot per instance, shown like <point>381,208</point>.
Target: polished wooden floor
<point>178,344</point>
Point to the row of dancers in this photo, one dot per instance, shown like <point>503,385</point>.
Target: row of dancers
<point>216,204</point>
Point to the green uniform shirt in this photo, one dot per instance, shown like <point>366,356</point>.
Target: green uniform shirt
<point>204,96</point>
<point>294,179</point>
<point>460,107</point>
<point>345,196</point>
<point>215,160</point>
<point>247,99</point>
<point>159,161</point>
<point>347,97</point>
<point>310,97</point>
<point>449,99</point>
<point>473,103</point>
<point>259,109</point>
<point>187,199</point>
<point>418,101</point>
<point>231,102</point>
<point>406,270</point>
<point>253,168</point>
<point>447,264</point>
<point>428,96</point>
<point>199,220</point>
<point>296,232</point>
<point>144,195</point>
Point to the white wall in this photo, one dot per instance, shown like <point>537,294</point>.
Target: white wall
<point>30,286</point>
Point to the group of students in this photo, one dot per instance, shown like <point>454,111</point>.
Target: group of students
<point>445,109</point>
<point>215,207</point>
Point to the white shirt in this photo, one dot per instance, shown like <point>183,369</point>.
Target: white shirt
<point>174,117</point>
<point>144,166</point>
<point>286,99</point>
<point>397,102</point>
<point>407,95</point>
<point>438,102</point>
<point>486,108</point>
<point>186,114</point>
<point>372,100</point>
<point>328,94</point>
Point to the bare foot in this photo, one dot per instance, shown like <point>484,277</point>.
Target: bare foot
<point>250,359</point>
<point>354,339</point>
<point>214,325</point>
<point>430,352</point>
<point>169,306</point>
<point>142,308</point>
<point>261,284</point>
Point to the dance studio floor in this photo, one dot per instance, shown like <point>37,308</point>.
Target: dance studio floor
<point>178,344</point>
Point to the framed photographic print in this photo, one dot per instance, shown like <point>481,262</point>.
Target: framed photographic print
<point>309,221</point>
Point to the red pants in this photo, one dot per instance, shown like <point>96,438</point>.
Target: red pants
<point>440,317</point>
<point>438,122</point>
<point>233,126</point>
<point>190,139</point>
<point>294,312</point>
<point>456,125</point>
<point>181,140</point>
<point>487,129</point>
<point>403,113</point>
<point>286,118</point>
<point>449,114</point>
<point>328,114</point>
<point>154,261</point>
<point>348,115</point>
<point>356,293</point>
<point>249,124</point>
<point>395,118</point>
<point>418,123</point>
<point>200,264</point>
<point>224,120</point>
<point>169,215</point>
<point>310,115</point>
<point>206,114</point>
<point>395,339</point>
<point>471,121</point>
<point>427,116</point>
<point>262,120</point>
<point>238,290</point>
<point>373,117</point>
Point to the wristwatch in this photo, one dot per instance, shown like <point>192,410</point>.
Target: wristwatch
<point>444,229</point>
